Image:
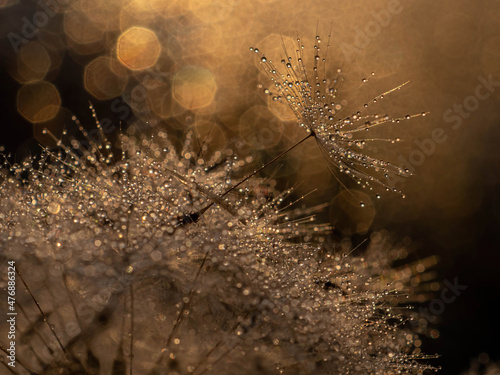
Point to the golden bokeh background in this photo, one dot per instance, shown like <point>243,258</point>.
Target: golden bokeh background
<point>186,65</point>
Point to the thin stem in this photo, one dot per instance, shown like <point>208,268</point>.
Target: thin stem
<point>45,319</point>
<point>202,211</point>
<point>186,304</point>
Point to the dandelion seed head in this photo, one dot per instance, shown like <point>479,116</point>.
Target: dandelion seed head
<point>242,285</point>
<point>313,94</point>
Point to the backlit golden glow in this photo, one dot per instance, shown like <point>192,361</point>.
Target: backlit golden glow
<point>105,78</point>
<point>33,62</point>
<point>80,29</point>
<point>138,48</point>
<point>194,87</point>
<point>39,101</point>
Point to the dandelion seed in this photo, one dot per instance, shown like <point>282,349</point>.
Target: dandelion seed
<point>314,98</point>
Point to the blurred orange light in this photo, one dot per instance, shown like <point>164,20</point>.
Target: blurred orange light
<point>105,78</point>
<point>194,87</point>
<point>39,101</point>
<point>138,48</point>
<point>80,29</point>
<point>33,62</point>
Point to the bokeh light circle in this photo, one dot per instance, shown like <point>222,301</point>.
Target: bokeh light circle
<point>138,48</point>
<point>38,101</point>
<point>105,78</point>
<point>80,29</point>
<point>194,87</point>
<point>33,62</point>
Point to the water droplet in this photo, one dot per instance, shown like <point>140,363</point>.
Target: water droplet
<point>54,208</point>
